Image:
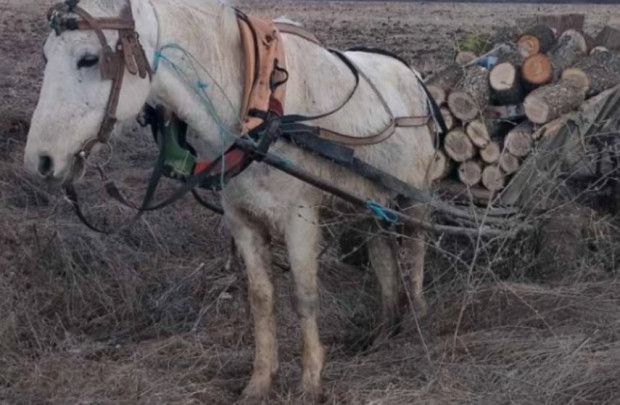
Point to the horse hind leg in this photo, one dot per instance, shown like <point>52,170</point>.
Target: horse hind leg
<point>253,245</point>
<point>417,245</point>
<point>383,260</point>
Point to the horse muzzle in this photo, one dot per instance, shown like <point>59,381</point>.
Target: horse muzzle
<point>49,167</point>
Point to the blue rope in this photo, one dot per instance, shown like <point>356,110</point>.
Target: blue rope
<point>200,88</point>
<point>381,212</point>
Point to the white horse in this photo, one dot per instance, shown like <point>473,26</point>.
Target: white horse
<point>261,202</point>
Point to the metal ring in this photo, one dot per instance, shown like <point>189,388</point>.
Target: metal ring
<point>84,155</point>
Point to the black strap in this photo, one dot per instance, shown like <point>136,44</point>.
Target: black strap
<point>435,110</point>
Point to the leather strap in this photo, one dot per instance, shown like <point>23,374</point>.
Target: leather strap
<point>383,135</point>
<point>265,69</point>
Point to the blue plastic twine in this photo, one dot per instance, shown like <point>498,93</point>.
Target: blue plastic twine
<point>381,212</point>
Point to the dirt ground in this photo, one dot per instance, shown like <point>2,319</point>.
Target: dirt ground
<point>153,316</point>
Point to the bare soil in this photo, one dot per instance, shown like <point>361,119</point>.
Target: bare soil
<point>153,315</point>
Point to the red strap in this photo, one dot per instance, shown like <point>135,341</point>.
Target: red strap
<point>275,106</point>
<point>232,159</point>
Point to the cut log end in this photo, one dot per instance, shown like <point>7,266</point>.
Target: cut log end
<point>537,110</point>
<point>578,76</point>
<point>537,39</point>
<point>472,94</point>
<point>509,163</point>
<point>537,70</point>
<point>576,37</point>
<point>437,93</point>
<point>463,106</point>
<point>505,84</point>
<point>478,133</point>
<point>458,146</point>
<point>491,153</point>
<point>503,76</point>
<point>448,118</point>
<point>470,173</point>
<point>439,168</point>
<point>493,179</point>
<point>519,140</point>
<point>528,45</point>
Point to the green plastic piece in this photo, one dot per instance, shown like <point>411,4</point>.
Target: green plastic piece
<point>179,161</point>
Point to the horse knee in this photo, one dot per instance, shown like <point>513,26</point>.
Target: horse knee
<point>306,302</point>
<point>261,296</point>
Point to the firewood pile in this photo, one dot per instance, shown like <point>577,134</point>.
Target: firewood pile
<point>498,106</point>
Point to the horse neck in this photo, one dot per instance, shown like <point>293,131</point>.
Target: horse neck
<point>208,31</point>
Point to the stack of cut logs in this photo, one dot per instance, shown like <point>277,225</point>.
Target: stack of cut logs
<point>494,105</point>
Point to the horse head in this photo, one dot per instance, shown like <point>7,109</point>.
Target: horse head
<point>96,74</point>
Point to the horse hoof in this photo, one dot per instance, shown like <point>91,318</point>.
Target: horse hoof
<point>256,391</point>
<point>312,395</point>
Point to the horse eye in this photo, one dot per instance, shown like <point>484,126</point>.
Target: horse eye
<point>87,61</point>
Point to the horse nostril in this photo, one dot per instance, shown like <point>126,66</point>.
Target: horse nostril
<point>46,165</point>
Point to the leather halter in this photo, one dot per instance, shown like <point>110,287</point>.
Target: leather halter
<point>127,54</point>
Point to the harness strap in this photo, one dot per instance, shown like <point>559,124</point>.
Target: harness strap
<point>334,136</point>
<point>265,69</point>
<point>296,118</point>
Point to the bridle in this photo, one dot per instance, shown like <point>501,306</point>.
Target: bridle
<point>127,54</point>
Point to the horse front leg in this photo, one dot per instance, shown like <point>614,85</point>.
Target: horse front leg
<point>302,235</point>
<point>253,244</point>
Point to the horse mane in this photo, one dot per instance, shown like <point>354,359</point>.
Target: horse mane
<point>285,20</point>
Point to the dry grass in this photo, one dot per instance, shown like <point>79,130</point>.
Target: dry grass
<point>152,316</point>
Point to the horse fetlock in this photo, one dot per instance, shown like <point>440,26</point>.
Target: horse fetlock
<point>313,361</point>
<point>258,387</point>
